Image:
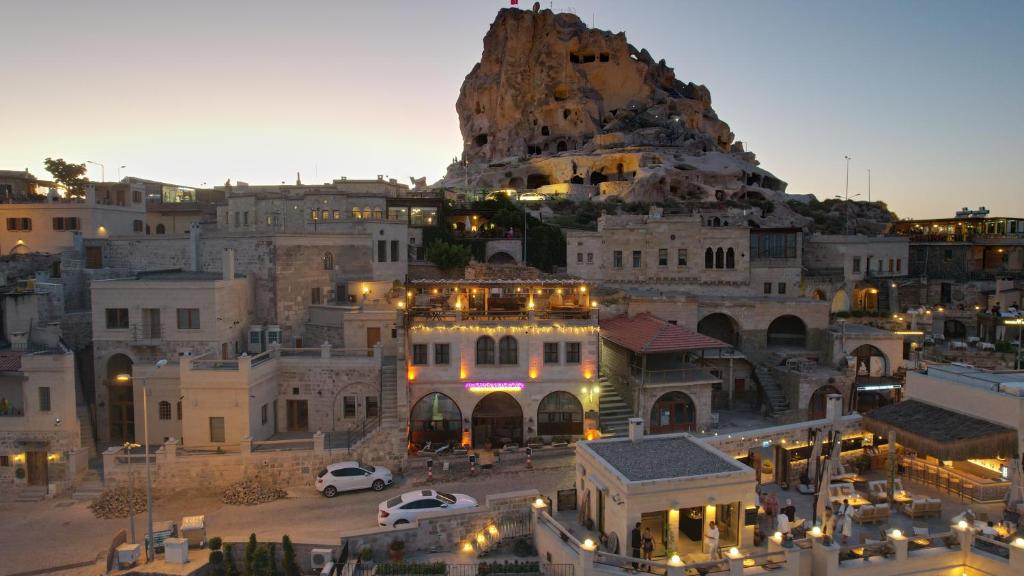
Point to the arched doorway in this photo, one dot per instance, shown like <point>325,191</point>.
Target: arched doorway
<point>840,301</point>
<point>819,401</point>
<point>560,414</point>
<point>673,412</point>
<point>720,326</point>
<point>497,420</point>
<point>435,418</point>
<point>818,294</point>
<point>121,402</point>
<point>501,258</point>
<point>954,329</point>
<point>787,331</point>
<point>871,362</point>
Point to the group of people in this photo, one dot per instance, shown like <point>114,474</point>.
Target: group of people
<point>781,518</point>
<point>642,542</point>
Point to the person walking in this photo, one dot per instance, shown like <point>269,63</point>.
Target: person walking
<point>635,543</point>
<point>847,518</point>
<point>712,540</point>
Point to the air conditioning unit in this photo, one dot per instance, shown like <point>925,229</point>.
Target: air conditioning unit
<point>257,342</point>
<point>320,557</point>
<point>274,335</point>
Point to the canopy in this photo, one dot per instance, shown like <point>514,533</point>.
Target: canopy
<point>942,433</point>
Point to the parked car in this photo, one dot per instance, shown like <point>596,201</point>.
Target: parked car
<point>346,476</point>
<point>407,507</point>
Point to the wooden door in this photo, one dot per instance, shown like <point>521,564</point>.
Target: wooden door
<point>372,338</point>
<point>36,467</point>
<point>298,415</point>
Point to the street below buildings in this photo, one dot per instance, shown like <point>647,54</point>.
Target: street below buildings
<point>61,532</point>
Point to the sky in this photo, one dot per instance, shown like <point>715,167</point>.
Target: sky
<point>924,94</point>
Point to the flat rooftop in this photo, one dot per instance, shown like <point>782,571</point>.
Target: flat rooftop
<point>174,276</point>
<point>1008,381</point>
<point>661,457</point>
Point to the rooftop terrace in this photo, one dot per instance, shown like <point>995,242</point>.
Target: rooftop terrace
<point>661,457</point>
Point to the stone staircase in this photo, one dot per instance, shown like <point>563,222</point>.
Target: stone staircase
<point>615,413</point>
<point>31,494</point>
<point>90,486</point>
<point>883,297</point>
<point>85,428</point>
<point>778,404</point>
<point>389,391</point>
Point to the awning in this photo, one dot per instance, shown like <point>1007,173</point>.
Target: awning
<point>941,433</point>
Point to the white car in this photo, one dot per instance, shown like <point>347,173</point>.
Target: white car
<point>345,476</point>
<point>407,507</point>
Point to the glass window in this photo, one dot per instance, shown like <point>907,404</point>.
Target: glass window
<point>579,257</point>
<point>572,352</point>
<point>590,257</point>
<point>681,257</point>
<point>508,350</point>
<point>264,414</point>
<point>382,250</point>
<point>372,407</point>
<point>44,398</point>
<point>394,250</point>
<point>19,224</point>
<point>188,318</point>
<point>782,287</point>
<point>328,259</point>
<point>730,258</point>
<point>559,413</point>
<point>662,256</point>
<point>436,418</point>
<point>164,410</point>
<point>324,214</point>
<point>856,263</point>
<point>767,287</point>
<point>442,353</point>
<point>485,350</point>
<point>398,213</point>
<point>349,407</point>
<point>423,216</point>
<point>551,352</point>
<point>419,354</point>
<point>899,264</point>
<point>709,258</point>
<point>216,428</point>
<point>337,214</point>
<point>117,318</point>
<point>637,258</point>
<point>617,259</point>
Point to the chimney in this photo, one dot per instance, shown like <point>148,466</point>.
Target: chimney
<point>229,263</point>
<point>19,341</point>
<point>636,429</point>
<point>193,239</point>
<point>834,408</point>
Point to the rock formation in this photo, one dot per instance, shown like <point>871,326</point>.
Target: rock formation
<point>558,107</point>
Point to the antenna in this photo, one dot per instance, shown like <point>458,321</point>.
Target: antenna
<point>869,185</point>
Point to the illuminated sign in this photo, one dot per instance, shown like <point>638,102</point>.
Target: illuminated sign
<point>494,386</point>
<point>875,387</point>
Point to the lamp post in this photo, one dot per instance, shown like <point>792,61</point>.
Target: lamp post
<point>103,170</point>
<point>1019,323</point>
<point>128,446</point>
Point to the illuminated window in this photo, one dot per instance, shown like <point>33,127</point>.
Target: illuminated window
<point>485,350</point>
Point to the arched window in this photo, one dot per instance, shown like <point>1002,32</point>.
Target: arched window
<point>328,259</point>
<point>378,213</point>
<point>730,258</point>
<point>357,214</point>
<point>559,413</point>
<point>165,410</point>
<point>709,258</point>
<point>485,350</point>
<point>716,222</point>
<point>160,229</point>
<point>508,350</point>
<point>719,258</point>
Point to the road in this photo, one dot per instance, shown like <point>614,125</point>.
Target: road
<point>63,531</point>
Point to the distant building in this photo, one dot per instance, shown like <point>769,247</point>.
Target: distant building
<point>856,273</point>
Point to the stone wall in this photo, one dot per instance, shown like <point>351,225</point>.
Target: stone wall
<point>325,384</point>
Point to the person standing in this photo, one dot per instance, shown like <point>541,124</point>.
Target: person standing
<point>789,510</point>
<point>635,543</point>
<point>712,539</point>
<point>847,518</point>
<point>783,526</point>
<point>771,509</point>
<point>648,544</point>
<point>828,523</point>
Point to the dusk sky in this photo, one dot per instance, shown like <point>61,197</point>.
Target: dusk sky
<point>927,94</point>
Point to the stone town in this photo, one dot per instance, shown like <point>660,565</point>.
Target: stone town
<point>605,279</point>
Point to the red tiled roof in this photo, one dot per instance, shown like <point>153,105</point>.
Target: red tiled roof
<point>10,361</point>
<point>646,334</point>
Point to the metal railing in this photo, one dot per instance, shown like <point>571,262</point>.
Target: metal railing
<point>929,541</point>
<point>451,315</point>
<point>670,375</point>
<point>340,439</point>
<point>990,546</point>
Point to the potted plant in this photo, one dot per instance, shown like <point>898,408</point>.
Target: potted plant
<point>396,550</point>
<point>366,558</point>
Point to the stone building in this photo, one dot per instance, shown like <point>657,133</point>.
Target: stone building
<point>854,272</point>
<point>40,439</point>
<point>500,362</point>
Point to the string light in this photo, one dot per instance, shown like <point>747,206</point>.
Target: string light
<point>496,330</point>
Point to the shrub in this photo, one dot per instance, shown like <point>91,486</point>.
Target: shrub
<point>250,553</point>
<point>261,563</point>
<point>366,553</point>
<point>215,543</point>
<point>291,566</point>
<point>229,562</point>
<point>397,545</point>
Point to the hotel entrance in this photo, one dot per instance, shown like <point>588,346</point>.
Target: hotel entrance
<point>497,421</point>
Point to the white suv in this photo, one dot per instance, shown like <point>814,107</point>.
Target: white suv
<point>407,507</point>
<point>345,476</point>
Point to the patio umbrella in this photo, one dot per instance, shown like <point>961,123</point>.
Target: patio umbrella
<point>813,461</point>
<point>823,492</point>
<point>834,459</point>
<point>1015,495</point>
<point>890,476</point>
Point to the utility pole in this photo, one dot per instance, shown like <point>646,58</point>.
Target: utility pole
<point>847,201</point>
<point>869,185</point>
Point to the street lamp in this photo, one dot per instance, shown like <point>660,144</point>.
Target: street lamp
<point>847,207</point>
<point>1019,323</point>
<point>128,447</point>
<point>103,170</point>
<point>150,545</point>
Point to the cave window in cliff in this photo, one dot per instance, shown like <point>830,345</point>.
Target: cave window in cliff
<point>532,150</point>
<point>618,170</point>
<point>565,114</point>
<point>574,58</point>
<point>577,179</point>
<point>605,57</point>
<point>562,146</point>
<point>515,183</point>
<point>480,139</point>
<point>545,131</point>
<point>597,177</point>
<point>537,180</point>
<point>588,58</point>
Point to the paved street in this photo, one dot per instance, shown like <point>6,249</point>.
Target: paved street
<point>64,531</point>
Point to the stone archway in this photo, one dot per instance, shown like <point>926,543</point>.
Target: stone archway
<point>560,414</point>
<point>870,362</point>
<point>720,326</point>
<point>840,301</point>
<point>954,329</point>
<point>673,412</point>
<point>435,418</point>
<point>787,331</point>
<point>501,258</point>
<point>817,406</point>
<point>497,421</point>
<point>818,294</point>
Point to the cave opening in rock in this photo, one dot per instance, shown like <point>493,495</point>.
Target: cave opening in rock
<point>597,177</point>
<point>562,146</point>
<point>537,180</point>
<point>480,139</point>
<point>545,131</point>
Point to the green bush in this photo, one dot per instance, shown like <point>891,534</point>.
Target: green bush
<point>366,553</point>
<point>411,568</point>
<point>261,564</point>
<point>523,548</point>
<point>250,553</point>
<point>448,256</point>
<point>291,566</point>
<point>229,562</point>
<point>215,543</point>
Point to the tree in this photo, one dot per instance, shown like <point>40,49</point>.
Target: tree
<point>71,176</point>
<point>250,553</point>
<point>448,256</point>
<point>229,562</point>
<point>261,563</point>
<point>291,566</point>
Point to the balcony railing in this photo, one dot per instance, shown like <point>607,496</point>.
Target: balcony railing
<point>671,376</point>
<point>424,315</point>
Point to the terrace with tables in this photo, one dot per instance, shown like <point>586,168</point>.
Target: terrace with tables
<point>498,300</point>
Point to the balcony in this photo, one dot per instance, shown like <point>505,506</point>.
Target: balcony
<point>145,334</point>
<point>686,375</point>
